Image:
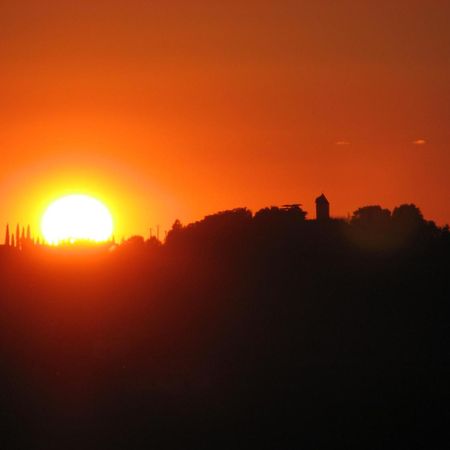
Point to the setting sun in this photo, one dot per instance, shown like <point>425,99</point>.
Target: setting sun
<point>76,217</point>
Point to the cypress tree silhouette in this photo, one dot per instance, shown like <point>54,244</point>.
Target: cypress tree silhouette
<point>28,233</point>
<point>13,241</point>
<point>7,240</point>
<point>17,236</point>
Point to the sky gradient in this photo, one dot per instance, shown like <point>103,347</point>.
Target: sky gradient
<point>178,109</point>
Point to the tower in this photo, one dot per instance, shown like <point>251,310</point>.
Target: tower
<point>322,208</point>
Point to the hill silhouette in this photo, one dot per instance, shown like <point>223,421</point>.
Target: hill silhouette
<point>239,330</point>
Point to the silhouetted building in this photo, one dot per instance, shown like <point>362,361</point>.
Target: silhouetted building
<point>322,208</point>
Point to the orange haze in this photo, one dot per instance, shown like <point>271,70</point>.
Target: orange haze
<point>177,109</point>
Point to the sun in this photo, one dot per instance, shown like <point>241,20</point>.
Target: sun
<point>74,218</point>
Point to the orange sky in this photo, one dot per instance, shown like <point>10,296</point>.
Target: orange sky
<point>178,109</point>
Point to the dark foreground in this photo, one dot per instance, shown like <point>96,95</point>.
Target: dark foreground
<point>273,332</point>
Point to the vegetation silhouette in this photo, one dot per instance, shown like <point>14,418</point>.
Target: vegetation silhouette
<point>239,330</point>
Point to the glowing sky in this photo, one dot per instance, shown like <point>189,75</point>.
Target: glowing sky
<point>178,109</point>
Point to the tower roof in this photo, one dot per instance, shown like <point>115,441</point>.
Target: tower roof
<point>322,199</point>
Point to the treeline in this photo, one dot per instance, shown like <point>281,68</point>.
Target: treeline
<point>242,329</point>
<point>377,227</point>
<point>370,228</point>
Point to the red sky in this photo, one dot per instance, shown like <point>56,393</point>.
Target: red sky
<point>178,109</point>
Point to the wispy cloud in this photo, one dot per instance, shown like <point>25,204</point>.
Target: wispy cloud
<point>419,142</point>
<point>342,142</point>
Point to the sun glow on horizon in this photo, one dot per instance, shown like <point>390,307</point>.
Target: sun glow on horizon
<point>74,218</point>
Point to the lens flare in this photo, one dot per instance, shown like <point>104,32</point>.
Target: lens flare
<point>75,218</point>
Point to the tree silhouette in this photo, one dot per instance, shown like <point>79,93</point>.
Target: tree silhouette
<point>407,218</point>
<point>373,216</point>
<point>134,242</point>
<point>17,236</point>
<point>288,213</point>
<point>7,237</point>
<point>407,213</point>
<point>176,226</point>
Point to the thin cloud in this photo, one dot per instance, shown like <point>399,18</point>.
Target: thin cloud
<point>419,142</point>
<point>342,142</point>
